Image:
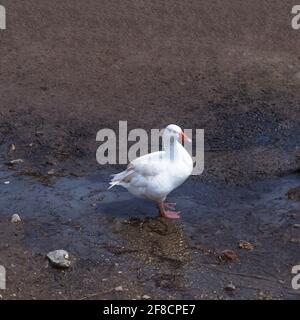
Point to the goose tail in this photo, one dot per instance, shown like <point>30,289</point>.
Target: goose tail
<point>119,178</point>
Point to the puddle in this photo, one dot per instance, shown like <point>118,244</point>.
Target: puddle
<point>180,258</point>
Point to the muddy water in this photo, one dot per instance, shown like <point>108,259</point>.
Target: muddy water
<point>116,239</point>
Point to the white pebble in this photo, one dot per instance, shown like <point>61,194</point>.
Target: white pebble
<point>119,288</point>
<point>15,218</point>
<point>59,258</point>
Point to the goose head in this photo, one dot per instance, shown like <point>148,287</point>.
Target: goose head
<point>174,133</point>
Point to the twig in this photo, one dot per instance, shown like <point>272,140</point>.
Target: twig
<point>95,294</point>
<point>253,276</point>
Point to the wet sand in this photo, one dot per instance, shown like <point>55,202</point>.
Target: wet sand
<point>71,68</point>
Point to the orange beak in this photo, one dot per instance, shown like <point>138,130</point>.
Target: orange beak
<point>185,137</point>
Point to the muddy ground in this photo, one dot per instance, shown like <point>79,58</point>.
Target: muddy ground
<point>71,68</point>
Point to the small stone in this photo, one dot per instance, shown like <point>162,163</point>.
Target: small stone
<point>245,245</point>
<point>294,194</point>
<point>16,161</point>
<point>59,258</point>
<point>146,297</point>
<point>15,218</point>
<point>230,287</point>
<point>6,182</point>
<point>296,225</point>
<point>295,240</point>
<point>119,288</point>
<point>228,255</point>
<point>51,172</point>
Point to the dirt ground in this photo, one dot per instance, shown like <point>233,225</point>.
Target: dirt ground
<point>70,68</point>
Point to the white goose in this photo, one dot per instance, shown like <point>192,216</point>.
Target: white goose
<point>155,175</point>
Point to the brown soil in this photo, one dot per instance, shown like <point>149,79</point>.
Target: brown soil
<point>70,69</point>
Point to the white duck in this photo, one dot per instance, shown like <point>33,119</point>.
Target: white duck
<point>155,175</point>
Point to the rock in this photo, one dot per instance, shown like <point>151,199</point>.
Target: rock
<point>59,258</point>
<point>295,240</point>
<point>6,182</point>
<point>51,172</point>
<point>16,161</point>
<point>296,225</point>
<point>146,297</point>
<point>294,194</point>
<point>245,245</point>
<point>15,218</point>
<point>230,287</point>
<point>119,288</point>
<point>228,255</point>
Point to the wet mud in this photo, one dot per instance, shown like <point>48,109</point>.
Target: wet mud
<point>117,240</point>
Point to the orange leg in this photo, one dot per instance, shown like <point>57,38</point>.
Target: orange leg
<point>166,210</point>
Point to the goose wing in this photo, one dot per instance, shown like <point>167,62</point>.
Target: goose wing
<point>141,170</point>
